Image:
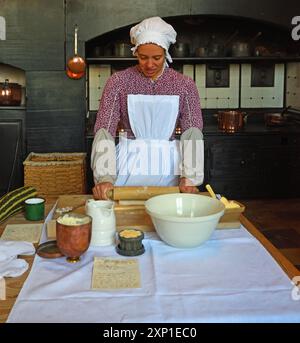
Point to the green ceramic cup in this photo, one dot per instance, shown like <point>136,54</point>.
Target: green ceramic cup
<point>35,209</point>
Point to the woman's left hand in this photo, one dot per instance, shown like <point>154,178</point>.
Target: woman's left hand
<point>186,186</point>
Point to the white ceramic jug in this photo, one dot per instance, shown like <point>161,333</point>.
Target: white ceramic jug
<point>104,221</point>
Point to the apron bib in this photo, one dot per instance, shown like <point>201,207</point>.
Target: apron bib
<point>150,159</point>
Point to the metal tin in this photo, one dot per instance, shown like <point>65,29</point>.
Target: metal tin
<point>49,250</point>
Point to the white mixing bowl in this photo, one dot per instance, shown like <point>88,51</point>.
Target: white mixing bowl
<point>184,220</point>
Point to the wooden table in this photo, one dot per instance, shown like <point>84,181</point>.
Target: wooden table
<point>14,285</point>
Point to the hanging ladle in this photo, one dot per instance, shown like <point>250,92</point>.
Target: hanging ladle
<point>76,65</point>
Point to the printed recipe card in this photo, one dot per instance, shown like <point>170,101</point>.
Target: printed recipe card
<point>111,273</point>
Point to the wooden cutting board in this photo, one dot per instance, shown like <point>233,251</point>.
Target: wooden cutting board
<point>133,216</point>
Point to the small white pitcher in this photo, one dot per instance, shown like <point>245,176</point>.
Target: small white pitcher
<point>104,221</point>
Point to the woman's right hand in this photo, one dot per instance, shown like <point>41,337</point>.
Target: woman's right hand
<point>101,190</point>
<point>186,186</point>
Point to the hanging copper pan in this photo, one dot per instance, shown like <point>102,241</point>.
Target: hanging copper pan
<point>75,76</point>
<point>76,65</point>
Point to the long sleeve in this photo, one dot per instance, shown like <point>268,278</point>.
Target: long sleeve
<point>190,111</point>
<point>109,112</point>
<point>192,155</point>
<point>103,157</point>
<point>192,144</point>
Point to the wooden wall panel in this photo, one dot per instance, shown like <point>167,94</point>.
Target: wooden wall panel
<point>34,34</point>
<point>55,139</point>
<point>55,112</point>
<point>54,90</point>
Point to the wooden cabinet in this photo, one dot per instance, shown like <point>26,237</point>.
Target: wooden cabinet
<point>231,165</point>
<point>12,148</point>
<point>253,166</point>
<point>89,172</point>
<point>288,163</point>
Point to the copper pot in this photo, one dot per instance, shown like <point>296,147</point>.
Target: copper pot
<point>10,93</point>
<point>180,49</point>
<point>231,121</point>
<point>73,239</point>
<point>242,48</point>
<point>122,49</point>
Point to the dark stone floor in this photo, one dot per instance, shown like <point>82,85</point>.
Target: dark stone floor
<point>279,221</point>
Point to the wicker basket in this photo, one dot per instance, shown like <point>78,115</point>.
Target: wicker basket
<point>56,173</point>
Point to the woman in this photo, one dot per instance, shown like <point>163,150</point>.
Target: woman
<point>148,101</point>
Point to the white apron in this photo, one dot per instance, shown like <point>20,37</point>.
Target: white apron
<point>150,159</point>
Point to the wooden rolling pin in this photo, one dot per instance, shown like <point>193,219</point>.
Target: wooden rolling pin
<point>139,193</point>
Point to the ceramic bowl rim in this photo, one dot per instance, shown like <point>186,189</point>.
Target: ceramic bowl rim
<point>176,219</point>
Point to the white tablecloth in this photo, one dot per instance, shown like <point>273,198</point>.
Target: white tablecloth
<point>231,278</point>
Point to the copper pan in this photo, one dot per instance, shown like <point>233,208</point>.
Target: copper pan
<point>76,65</point>
<point>75,76</point>
<point>277,119</point>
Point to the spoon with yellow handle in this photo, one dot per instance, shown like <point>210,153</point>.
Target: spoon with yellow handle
<point>228,204</point>
<point>210,191</point>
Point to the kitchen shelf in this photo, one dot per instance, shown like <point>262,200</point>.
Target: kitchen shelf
<point>249,59</point>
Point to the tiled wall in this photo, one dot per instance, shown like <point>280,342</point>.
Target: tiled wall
<point>293,85</point>
<point>238,94</point>
<point>223,97</point>
<point>257,97</point>
<point>98,75</point>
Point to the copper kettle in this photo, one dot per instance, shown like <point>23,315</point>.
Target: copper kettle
<point>76,65</point>
<point>231,121</point>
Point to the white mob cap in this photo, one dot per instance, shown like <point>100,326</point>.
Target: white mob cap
<point>153,30</point>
